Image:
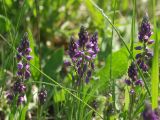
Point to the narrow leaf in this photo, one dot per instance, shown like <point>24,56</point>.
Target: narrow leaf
<point>155,66</point>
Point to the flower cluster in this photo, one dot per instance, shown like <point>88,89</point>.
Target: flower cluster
<point>146,54</point>
<point>143,57</point>
<point>42,96</point>
<point>133,77</point>
<point>23,73</point>
<point>23,55</point>
<point>149,114</point>
<point>83,53</point>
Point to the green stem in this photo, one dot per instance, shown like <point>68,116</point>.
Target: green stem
<point>155,62</point>
<point>131,107</point>
<point>113,80</point>
<point>133,26</point>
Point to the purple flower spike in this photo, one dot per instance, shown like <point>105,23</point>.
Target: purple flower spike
<point>83,36</point>
<point>132,71</point>
<point>145,30</point>
<point>142,58</point>
<point>23,72</point>
<point>24,53</point>
<point>19,87</point>
<point>83,52</point>
<point>72,48</point>
<point>42,96</point>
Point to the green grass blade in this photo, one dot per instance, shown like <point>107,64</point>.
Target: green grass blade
<point>113,80</point>
<point>155,66</point>
<point>126,98</point>
<point>133,26</point>
<point>23,113</point>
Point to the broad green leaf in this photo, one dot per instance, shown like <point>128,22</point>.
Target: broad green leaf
<point>95,14</point>
<point>120,63</point>
<point>59,96</point>
<point>53,65</point>
<point>119,66</point>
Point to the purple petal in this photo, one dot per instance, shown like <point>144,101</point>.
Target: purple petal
<point>92,65</point>
<point>138,48</point>
<point>19,73</point>
<point>21,99</point>
<point>89,73</point>
<point>29,57</point>
<point>139,82</point>
<point>139,55</point>
<point>27,66</point>
<point>128,82</point>
<point>67,63</point>
<point>88,57</point>
<point>84,67</point>
<point>150,42</point>
<point>27,74</point>
<point>87,79</point>
<point>132,91</point>
<point>19,56</point>
<point>20,65</point>
<point>91,52</point>
<point>28,50</point>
